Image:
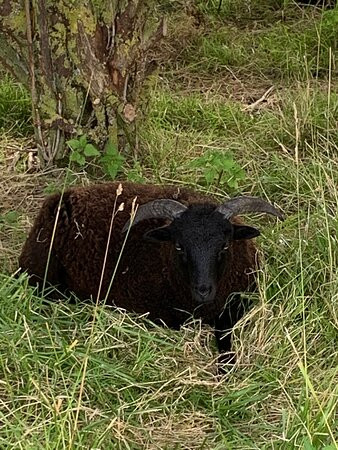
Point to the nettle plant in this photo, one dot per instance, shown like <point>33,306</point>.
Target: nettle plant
<point>83,152</point>
<point>217,168</point>
<point>9,219</point>
<point>111,161</point>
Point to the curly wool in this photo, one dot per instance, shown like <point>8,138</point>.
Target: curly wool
<point>146,279</point>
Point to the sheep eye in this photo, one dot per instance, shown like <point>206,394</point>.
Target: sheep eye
<point>222,252</point>
<point>178,247</point>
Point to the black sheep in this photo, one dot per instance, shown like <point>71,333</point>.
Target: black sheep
<point>185,255</point>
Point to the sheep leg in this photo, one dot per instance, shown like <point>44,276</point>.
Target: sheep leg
<point>223,341</point>
<point>232,313</point>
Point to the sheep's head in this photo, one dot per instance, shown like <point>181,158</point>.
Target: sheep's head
<point>201,235</point>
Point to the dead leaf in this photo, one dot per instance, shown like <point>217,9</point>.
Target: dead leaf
<point>129,112</point>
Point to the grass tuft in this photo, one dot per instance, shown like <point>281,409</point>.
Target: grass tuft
<point>15,107</point>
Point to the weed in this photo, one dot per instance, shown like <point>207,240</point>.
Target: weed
<point>111,161</point>
<point>81,150</point>
<point>218,169</point>
<point>9,218</point>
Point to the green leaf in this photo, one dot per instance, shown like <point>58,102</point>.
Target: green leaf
<point>200,162</point>
<point>110,148</point>
<point>240,174</point>
<point>83,141</point>
<point>78,158</point>
<point>307,445</point>
<point>232,183</point>
<point>209,176</point>
<point>217,166</point>
<point>10,217</point>
<point>51,188</point>
<point>74,156</point>
<point>112,171</point>
<point>90,150</point>
<point>74,144</point>
<point>112,163</point>
<point>227,164</point>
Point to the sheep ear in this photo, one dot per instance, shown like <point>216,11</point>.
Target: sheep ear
<point>158,234</point>
<point>52,203</point>
<point>244,232</point>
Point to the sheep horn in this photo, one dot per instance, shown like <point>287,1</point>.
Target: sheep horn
<point>247,204</point>
<point>157,209</point>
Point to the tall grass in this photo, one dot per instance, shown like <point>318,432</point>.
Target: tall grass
<point>277,41</point>
<point>15,107</point>
<point>121,381</point>
<point>150,387</point>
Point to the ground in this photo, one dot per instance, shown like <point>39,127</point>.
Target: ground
<point>245,101</point>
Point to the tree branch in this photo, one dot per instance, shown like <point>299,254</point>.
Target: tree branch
<point>34,96</point>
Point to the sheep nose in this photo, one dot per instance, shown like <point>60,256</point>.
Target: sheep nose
<point>204,290</point>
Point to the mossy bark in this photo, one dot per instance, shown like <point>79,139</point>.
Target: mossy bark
<point>84,62</point>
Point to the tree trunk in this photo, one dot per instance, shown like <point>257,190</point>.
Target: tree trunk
<point>84,62</point>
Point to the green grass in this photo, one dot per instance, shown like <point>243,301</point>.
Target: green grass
<point>142,386</point>
<point>142,380</point>
<point>180,128</point>
<point>261,39</point>
<point>15,107</point>
<point>283,52</point>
